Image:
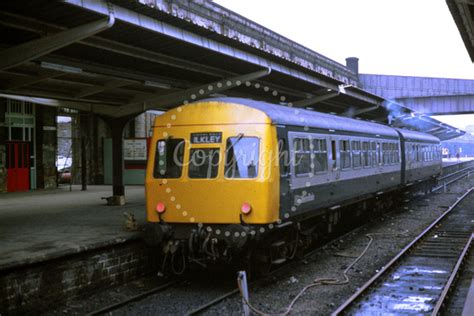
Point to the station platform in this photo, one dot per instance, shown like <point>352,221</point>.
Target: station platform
<point>46,224</point>
<point>454,161</point>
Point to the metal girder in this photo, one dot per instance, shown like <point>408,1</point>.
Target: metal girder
<point>317,99</point>
<point>155,102</point>
<point>326,95</point>
<point>81,106</point>
<point>17,55</point>
<point>354,113</point>
<point>435,129</point>
<point>117,72</point>
<point>62,97</point>
<point>107,86</point>
<point>24,23</point>
<point>192,94</point>
<point>18,83</point>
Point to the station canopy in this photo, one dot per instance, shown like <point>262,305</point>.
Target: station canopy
<point>123,57</point>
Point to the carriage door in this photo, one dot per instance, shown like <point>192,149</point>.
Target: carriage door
<point>18,166</point>
<point>334,159</point>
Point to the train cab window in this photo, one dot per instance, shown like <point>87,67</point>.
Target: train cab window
<point>356,154</point>
<point>345,154</point>
<point>241,158</point>
<point>366,157</point>
<point>319,155</point>
<point>302,154</point>
<point>203,163</point>
<point>169,158</point>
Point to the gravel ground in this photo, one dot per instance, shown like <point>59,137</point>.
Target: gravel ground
<point>390,232</point>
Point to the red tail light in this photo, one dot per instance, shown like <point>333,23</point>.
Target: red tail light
<point>246,208</point>
<point>160,207</point>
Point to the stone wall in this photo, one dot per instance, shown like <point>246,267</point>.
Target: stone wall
<point>36,288</point>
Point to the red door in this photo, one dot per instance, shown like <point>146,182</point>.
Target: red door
<point>18,166</point>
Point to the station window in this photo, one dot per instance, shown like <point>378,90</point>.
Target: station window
<point>345,154</point>
<point>356,154</point>
<point>203,163</point>
<point>366,156</point>
<point>302,159</point>
<point>169,158</point>
<point>319,155</point>
<point>241,158</point>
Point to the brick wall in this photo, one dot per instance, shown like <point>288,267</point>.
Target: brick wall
<point>38,287</point>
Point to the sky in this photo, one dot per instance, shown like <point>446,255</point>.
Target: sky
<point>403,37</point>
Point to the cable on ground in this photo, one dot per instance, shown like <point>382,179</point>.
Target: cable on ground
<point>316,282</point>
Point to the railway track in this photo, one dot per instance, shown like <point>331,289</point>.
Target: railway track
<point>447,180</point>
<point>224,294</point>
<point>453,177</point>
<point>418,279</point>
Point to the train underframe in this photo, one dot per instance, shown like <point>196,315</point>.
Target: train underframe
<point>259,248</point>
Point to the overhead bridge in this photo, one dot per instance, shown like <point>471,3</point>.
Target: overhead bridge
<point>430,96</point>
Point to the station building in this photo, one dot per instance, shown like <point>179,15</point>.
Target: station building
<point>32,139</point>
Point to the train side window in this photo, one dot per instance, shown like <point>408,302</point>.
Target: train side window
<point>241,159</point>
<point>385,154</point>
<point>302,156</point>
<point>392,153</point>
<point>344,148</point>
<point>379,154</point>
<point>366,154</point>
<point>169,158</point>
<point>319,155</point>
<point>397,153</point>
<point>356,155</point>
<point>203,163</point>
<point>373,153</point>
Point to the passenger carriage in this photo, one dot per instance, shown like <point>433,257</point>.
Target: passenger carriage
<point>224,173</point>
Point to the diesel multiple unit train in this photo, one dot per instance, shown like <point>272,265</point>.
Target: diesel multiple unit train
<point>233,179</point>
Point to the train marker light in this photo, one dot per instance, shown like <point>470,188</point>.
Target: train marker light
<point>246,208</point>
<point>160,207</point>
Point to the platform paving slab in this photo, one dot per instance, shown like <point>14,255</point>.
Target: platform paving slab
<point>46,224</point>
